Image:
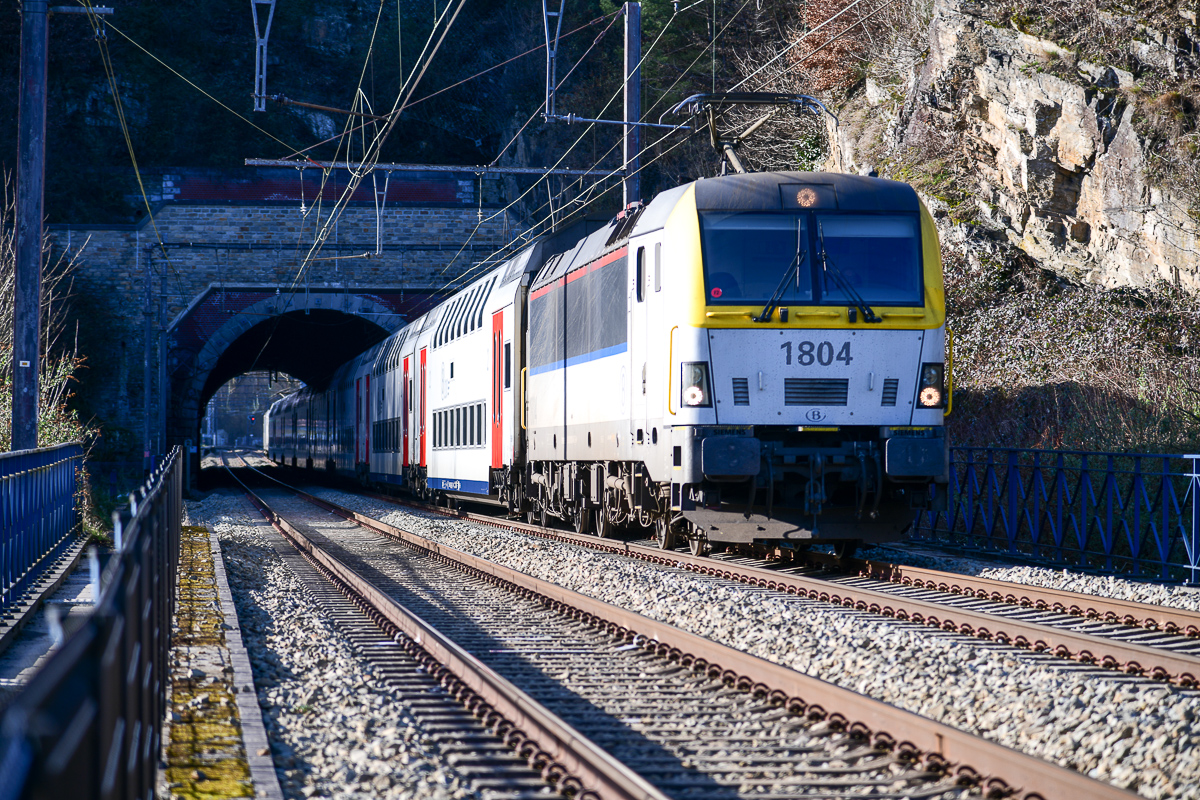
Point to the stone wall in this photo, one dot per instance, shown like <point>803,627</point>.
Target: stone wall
<point>132,277</point>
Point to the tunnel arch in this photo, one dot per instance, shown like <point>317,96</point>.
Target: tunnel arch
<point>228,331</point>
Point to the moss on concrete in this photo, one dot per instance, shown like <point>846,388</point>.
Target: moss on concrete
<point>205,755</point>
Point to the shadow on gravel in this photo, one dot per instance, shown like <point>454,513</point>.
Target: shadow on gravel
<point>535,657</point>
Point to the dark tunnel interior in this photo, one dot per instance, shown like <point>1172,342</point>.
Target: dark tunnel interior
<point>308,346</point>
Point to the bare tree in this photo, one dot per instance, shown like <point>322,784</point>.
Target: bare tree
<point>59,359</point>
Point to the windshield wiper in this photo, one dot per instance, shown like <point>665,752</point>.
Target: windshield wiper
<point>829,268</point>
<point>793,269</point>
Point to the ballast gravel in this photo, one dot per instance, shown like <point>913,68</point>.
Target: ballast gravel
<point>336,732</point>
<point>1185,597</point>
<point>1129,731</point>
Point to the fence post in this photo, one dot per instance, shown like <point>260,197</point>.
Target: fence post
<point>1014,504</point>
<point>1193,535</point>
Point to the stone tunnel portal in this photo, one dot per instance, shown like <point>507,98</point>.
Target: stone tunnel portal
<point>307,334</point>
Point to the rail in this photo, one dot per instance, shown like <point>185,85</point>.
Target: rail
<point>974,760</point>
<point>1126,513</point>
<point>38,517</point>
<point>88,723</point>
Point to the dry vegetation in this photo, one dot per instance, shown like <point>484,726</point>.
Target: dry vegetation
<point>1042,364</point>
<point>57,422</point>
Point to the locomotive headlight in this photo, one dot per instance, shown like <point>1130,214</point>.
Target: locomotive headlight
<point>695,389</point>
<point>931,392</point>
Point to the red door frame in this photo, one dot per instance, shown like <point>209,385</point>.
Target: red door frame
<point>421,422</point>
<point>357,419</point>
<point>497,389</point>
<point>404,413</point>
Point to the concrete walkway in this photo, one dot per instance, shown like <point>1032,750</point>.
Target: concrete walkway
<point>215,744</point>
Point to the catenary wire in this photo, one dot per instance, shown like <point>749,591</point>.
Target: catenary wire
<point>588,128</point>
<point>451,286</point>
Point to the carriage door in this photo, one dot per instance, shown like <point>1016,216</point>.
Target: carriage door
<point>367,419</point>
<point>639,368</point>
<point>421,408</point>
<point>497,389</point>
<point>362,420</point>
<point>405,387</point>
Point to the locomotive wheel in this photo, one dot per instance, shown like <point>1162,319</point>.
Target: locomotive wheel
<point>846,548</point>
<point>604,526</point>
<point>699,546</point>
<point>666,533</point>
<point>543,517</point>
<point>582,519</point>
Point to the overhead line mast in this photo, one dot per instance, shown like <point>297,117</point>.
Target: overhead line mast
<point>260,51</point>
<point>31,182</point>
<point>631,145</point>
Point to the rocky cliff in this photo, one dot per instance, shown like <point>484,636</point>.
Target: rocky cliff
<point>1020,142</point>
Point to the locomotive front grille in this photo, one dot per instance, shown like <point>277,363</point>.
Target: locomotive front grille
<point>815,391</point>
<point>890,387</point>
<point>741,391</point>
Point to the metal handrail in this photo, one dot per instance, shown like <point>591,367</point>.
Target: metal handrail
<point>38,516</point>
<point>88,723</point>
<point>671,369</point>
<point>1126,513</point>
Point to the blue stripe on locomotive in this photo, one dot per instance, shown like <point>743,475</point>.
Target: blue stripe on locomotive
<point>615,350</point>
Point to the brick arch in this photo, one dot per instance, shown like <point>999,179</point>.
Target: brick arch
<point>222,329</point>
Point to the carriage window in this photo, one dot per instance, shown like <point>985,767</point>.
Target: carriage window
<point>471,429</point>
<point>508,365</point>
<point>658,266</point>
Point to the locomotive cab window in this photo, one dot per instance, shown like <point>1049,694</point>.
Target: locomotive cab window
<point>811,258</point>
<point>658,266</point>
<point>747,255</point>
<point>640,276</point>
<point>877,256</point>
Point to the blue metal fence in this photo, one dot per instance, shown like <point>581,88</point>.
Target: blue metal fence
<point>88,724</point>
<point>38,515</point>
<point>1124,513</point>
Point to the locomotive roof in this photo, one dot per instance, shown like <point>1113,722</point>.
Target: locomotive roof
<point>759,191</point>
<point>764,191</point>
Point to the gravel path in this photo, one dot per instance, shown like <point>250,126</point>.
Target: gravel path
<point>1136,733</point>
<point>335,731</point>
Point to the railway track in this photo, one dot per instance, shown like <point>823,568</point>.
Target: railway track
<point>611,704</point>
<point>1159,642</point>
<point>468,745</point>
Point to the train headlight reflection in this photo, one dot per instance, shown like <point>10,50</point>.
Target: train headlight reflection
<point>931,391</point>
<point>695,385</point>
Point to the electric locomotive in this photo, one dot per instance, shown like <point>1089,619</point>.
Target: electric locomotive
<point>749,359</point>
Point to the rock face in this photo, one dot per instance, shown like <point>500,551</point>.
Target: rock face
<point>1055,163</point>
